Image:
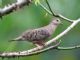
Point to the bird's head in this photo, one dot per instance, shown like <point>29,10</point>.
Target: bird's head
<point>55,21</point>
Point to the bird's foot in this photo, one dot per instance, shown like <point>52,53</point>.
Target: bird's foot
<point>40,46</point>
<point>55,42</point>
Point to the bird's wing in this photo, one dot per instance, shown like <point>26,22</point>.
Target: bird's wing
<point>36,34</point>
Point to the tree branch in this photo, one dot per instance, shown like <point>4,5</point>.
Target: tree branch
<point>36,49</point>
<point>68,48</point>
<point>10,8</point>
<point>26,53</point>
<point>50,8</point>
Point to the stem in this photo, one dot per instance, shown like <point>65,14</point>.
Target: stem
<point>50,8</point>
<point>68,48</point>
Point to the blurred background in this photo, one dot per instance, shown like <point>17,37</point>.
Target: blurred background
<point>34,16</point>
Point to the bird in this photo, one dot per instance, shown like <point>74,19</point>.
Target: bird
<point>39,35</point>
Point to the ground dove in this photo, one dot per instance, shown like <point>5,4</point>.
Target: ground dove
<point>39,35</point>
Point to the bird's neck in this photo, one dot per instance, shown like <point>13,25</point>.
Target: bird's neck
<point>51,28</point>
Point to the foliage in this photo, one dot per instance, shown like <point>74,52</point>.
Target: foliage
<point>35,16</point>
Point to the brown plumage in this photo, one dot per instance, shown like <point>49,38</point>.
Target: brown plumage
<point>37,36</point>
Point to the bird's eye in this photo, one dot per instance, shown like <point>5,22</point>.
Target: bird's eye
<point>57,20</point>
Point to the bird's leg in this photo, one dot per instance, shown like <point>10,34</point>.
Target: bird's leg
<point>55,42</point>
<point>39,47</point>
<point>40,44</point>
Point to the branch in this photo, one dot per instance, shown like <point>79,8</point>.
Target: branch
<point>10,8</point>
<point>50,8</point>
<point>28,52</point>
<point>36,49</point>
<point>68,48</point>
<point>56,15</point>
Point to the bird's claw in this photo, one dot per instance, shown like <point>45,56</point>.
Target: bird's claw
<point>40,47</point>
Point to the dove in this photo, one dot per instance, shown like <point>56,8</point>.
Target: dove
<point>39,35</point>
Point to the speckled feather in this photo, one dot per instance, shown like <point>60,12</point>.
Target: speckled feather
<point>37,34</point>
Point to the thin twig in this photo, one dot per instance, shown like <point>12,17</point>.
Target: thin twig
<point>68,48</point>
<point>50,8</point>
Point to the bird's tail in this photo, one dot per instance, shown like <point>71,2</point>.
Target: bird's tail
<point>16,39</point>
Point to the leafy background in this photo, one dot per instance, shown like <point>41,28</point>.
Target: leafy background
<point>32,16</point>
